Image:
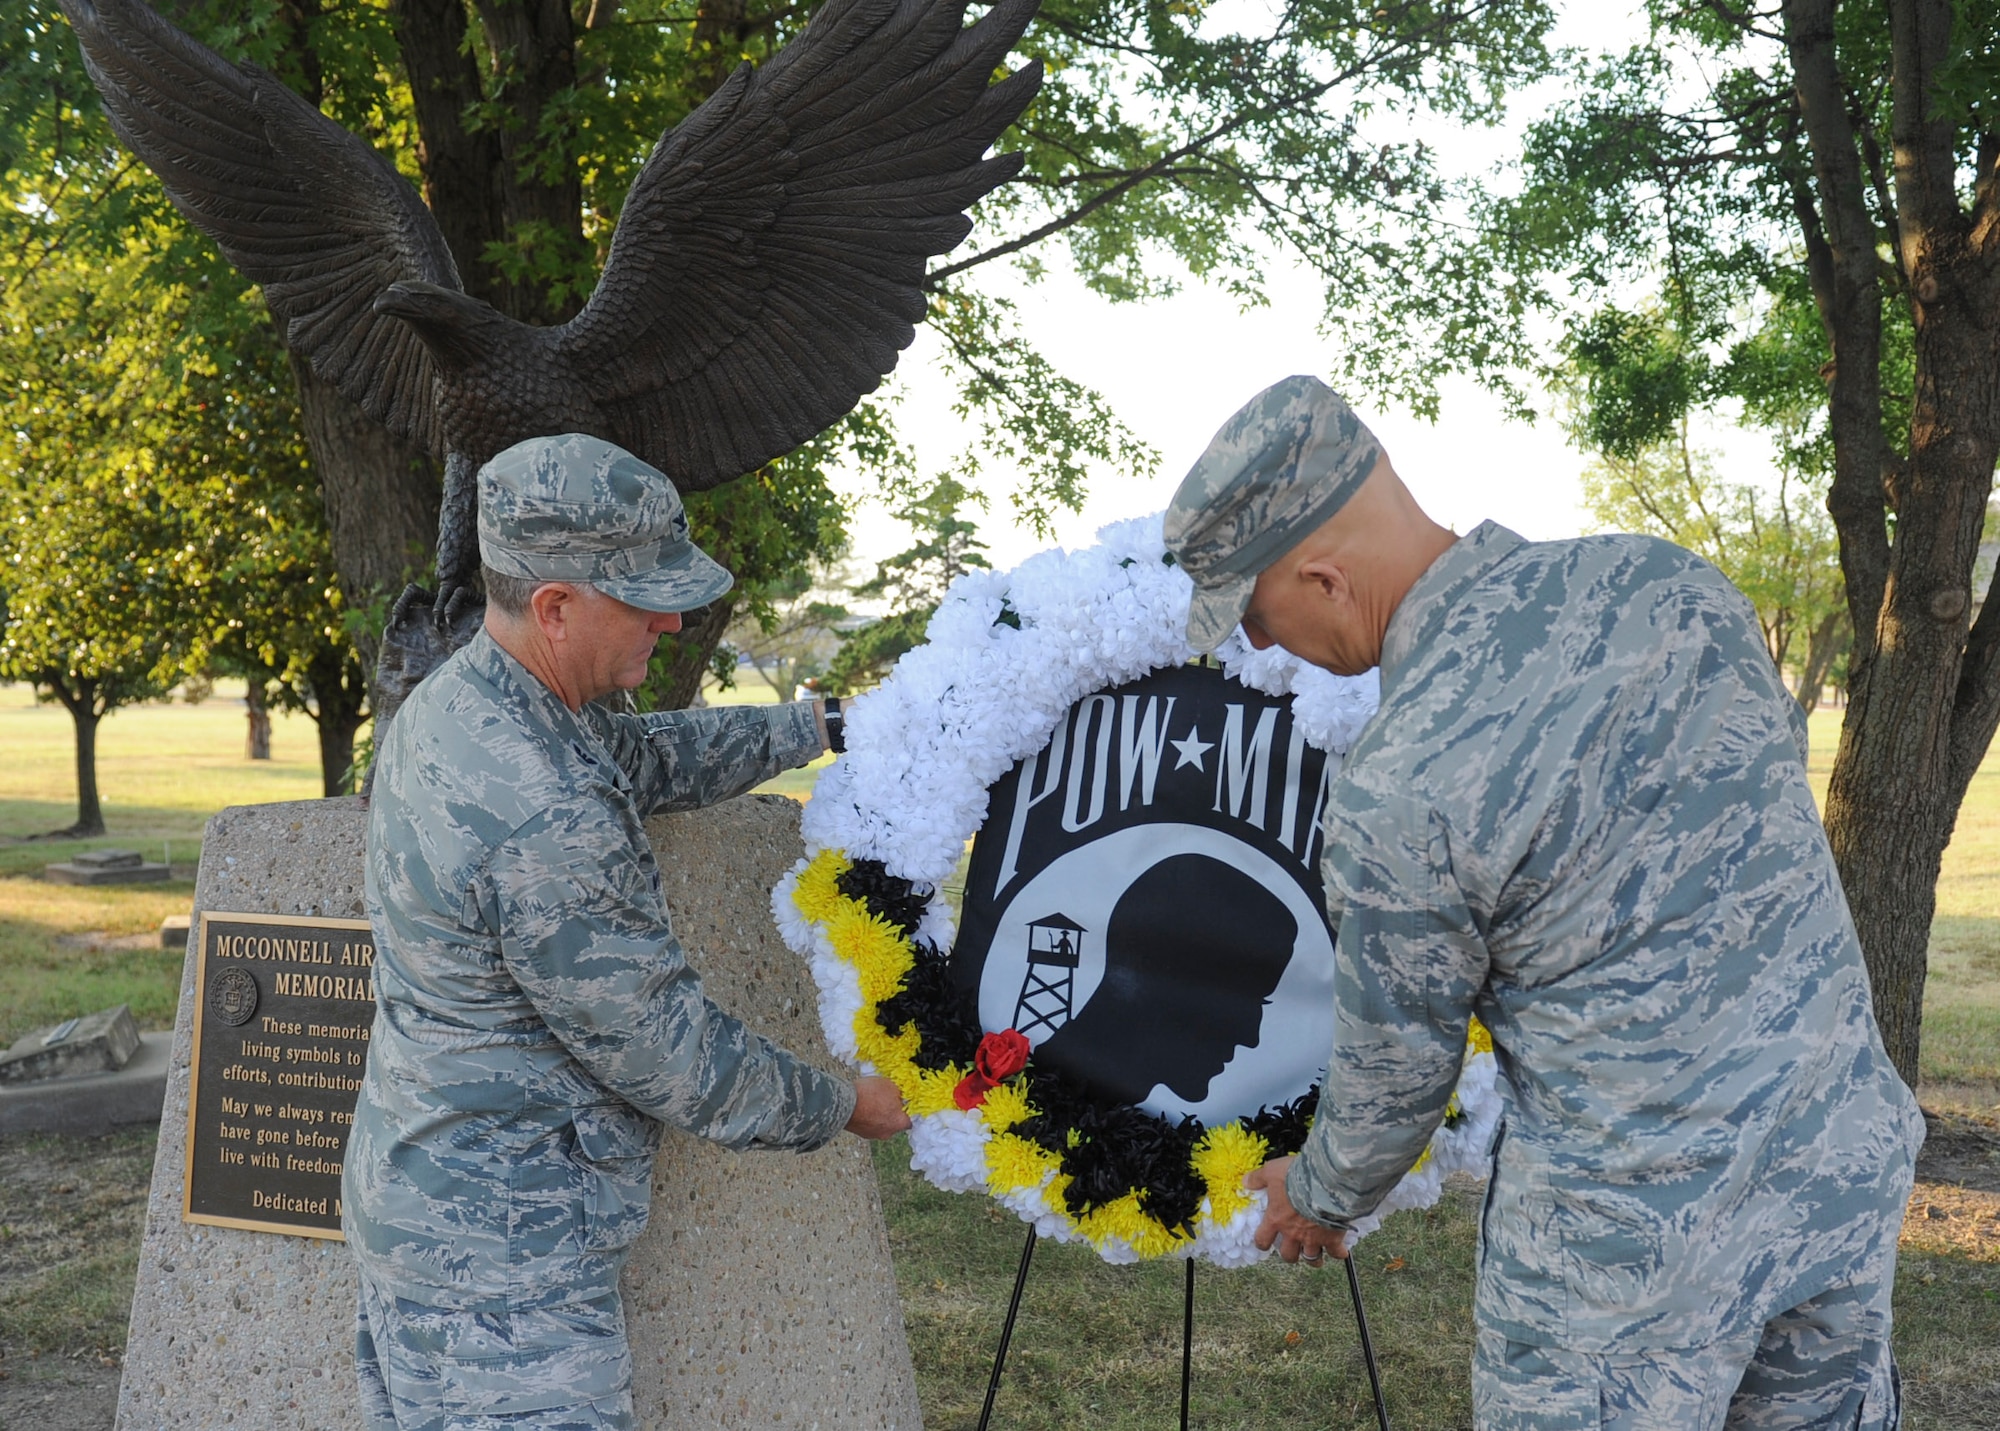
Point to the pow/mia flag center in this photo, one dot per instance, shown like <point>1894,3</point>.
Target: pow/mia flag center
<point>1144,900</point>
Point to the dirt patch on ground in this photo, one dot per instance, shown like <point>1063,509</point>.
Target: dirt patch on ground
<point>50,1393</point>
<point>1955,1209</point>
<point>1961,1147</point>
<point>71,1213</point>
<point>1954,1221</point>
<point>99,939</point>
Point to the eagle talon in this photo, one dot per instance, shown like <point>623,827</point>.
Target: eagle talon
<point>413,595</point>
<point>453,600</point>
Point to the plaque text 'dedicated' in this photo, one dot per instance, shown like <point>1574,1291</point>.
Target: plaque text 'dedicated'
<point>283,1008</point>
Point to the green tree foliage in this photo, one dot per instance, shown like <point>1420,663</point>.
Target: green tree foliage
<point>273,610</point>
<point>163,516</point>
<point>770,529</point>
<point>97,617</point>
<point>913,581</point>
<point>795,638</point>
<point>1789,211</point>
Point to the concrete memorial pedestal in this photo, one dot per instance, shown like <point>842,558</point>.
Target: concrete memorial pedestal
<point>761,1295</point>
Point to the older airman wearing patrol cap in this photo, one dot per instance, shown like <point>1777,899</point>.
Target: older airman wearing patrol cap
<point>1580,813</point>
<point>537,1022</point>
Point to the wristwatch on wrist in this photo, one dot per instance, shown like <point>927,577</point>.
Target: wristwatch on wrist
<point>836,733</point>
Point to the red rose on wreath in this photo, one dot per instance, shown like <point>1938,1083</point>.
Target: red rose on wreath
<point>1000,1056</point>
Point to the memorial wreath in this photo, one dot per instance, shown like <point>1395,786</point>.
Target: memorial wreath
<point>1007,659</point>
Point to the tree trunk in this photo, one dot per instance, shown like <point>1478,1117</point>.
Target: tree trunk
<point>675,678</point>
<point>336,756</point>
<point>541,187</point>
<point>1888,820</point>
<point>717,40</point>
<point>341,697</point>
<point>489,187</point>
<point>461,167</point>
<point>81,703</point>
<point>381,496</point>
<point>257,741</point>
<point>1840,241</point>
<point>89,811</point>
<point>1923,701</point>
<point>1824,643</point>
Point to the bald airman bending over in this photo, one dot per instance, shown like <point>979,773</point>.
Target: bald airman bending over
<point>1581,813</point>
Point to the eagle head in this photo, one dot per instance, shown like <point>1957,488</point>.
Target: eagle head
<point>461,331</point>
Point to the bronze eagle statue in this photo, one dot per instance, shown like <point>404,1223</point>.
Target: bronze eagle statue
<point>765,272</point>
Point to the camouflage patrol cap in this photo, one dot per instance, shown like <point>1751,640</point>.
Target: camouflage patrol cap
<point>1288,460</point>
<point>578,508</point>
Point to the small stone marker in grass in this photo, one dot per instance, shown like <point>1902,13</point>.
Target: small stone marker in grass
<point>174,931</point>
<point>106,867</point>
<point>102,1042</point>
<point>84,1076</point>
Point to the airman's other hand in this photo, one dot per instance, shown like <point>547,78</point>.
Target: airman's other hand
<point>1297,1237</point>
<point>878,1109</point>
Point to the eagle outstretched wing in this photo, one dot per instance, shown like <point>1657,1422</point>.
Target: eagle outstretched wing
<point>768,266</point>
<point>298,204</point>
<point>766,271</point>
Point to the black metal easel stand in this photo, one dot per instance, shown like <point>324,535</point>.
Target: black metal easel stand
<point>1367,1346</point>
<point>1187,1339</point>
<point>1007,1330</point>
<point>1187,1342</point>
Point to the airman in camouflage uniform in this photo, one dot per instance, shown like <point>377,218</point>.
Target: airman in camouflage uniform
<point>537,1021</point>
<point>1580,813</point>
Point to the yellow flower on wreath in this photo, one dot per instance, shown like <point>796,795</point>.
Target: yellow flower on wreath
<point>1124,1220</point>
<point>1222,1159</point>
<point>1006,1104</point>
<point>929,1089</point>
<point>1014,1163</point>
<point>892,1054</point>
<point>817,890</point>
<point>881,956</point>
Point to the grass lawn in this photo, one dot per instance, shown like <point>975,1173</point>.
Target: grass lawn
<point>1100,1346</point>
<point>1096,1345</point>
<point>162,770</point>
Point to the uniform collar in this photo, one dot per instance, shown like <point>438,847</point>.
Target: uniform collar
<point>1438,592</point>
<point>541,708</point>
<point>515,681</point>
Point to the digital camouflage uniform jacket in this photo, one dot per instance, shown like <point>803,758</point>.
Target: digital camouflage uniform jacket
<point>1582,813</point>
<point>535,1015</point>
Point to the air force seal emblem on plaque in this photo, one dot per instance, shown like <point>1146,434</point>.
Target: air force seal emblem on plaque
<point>1144,901</point>
<point>232,995</point>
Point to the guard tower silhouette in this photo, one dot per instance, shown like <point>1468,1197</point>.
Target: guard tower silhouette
<point>1055,942</point>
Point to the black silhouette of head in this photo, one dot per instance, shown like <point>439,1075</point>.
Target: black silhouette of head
<point>1194,950</point>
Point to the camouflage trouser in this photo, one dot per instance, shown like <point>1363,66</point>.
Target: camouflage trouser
<point>1825,1365</point>
<point>560,1368</point>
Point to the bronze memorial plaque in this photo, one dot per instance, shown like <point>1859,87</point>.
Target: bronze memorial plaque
<point>282,1011</point>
